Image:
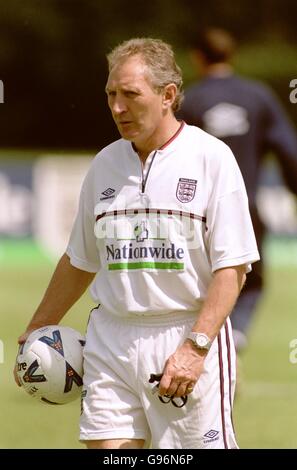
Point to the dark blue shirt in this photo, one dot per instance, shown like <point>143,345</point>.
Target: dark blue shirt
<point>248,117</point>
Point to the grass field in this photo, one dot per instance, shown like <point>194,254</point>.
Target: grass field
<point>265,409</point>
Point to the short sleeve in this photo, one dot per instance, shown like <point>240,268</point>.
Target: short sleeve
<point>82,248</point>
<point>230,231</point>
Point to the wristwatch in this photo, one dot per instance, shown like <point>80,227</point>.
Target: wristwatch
<point>200,340</point>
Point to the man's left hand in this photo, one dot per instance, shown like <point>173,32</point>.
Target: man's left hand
<point>182,370</point>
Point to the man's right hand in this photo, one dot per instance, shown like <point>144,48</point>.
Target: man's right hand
<point>66,286</point>
<point>21,340</point>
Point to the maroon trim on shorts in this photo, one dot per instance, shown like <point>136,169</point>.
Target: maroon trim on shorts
<point>221,367</point>
<point>229,361</point>
<point>229,370</point>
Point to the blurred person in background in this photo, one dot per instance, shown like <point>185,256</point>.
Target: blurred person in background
<point>248,117</point>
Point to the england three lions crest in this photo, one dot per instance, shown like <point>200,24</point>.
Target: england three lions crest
<point>186,189</point>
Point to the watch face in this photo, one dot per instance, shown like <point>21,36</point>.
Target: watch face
<point>201,341</point>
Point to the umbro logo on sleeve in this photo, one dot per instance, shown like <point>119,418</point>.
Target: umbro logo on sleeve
<point>107,194</point>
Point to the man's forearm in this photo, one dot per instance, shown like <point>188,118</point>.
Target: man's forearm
<point>185,366</point>
<point>66,286</point>
<point>221,298</point>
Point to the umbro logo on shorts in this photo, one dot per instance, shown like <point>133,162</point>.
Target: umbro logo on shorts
<point>107,194</point>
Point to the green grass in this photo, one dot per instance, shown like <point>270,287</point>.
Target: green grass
<point>265,409</point>
<point>266,406</point>
<point>26,423</point>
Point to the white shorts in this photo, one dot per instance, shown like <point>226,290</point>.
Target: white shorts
<point>119,356</point>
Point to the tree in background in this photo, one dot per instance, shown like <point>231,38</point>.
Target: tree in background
<point>52,58</point>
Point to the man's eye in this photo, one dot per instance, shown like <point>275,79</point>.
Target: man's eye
<point>131,94</point>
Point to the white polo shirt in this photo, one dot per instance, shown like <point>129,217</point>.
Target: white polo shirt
<point>155,235</point>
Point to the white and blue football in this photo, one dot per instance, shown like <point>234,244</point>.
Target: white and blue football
<point>50,364</point>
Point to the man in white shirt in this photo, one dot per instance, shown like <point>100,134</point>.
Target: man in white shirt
<point>163,231</point>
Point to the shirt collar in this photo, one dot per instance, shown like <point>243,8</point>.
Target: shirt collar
<point>172,139</point>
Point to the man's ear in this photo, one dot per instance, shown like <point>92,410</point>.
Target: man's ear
<point>169,95</point>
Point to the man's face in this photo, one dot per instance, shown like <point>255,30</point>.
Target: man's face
<point>135,106</point>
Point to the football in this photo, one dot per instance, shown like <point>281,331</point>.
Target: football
<point>50,364</point>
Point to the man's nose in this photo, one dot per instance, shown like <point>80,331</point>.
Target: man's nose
<point>118,106</point>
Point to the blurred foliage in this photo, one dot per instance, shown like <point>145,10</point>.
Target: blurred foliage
<point>52,58</point>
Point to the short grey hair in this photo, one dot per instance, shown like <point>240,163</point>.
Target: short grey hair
<point>158,56</point>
